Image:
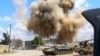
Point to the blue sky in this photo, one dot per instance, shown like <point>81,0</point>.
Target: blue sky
<point>7,9</point>
<point>94,3</point>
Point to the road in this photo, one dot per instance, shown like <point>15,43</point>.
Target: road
<point>31,53</point>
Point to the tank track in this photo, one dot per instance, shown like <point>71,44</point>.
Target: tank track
<point>58,51</point>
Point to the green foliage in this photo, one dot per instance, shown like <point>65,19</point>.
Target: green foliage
<point>37,41</point>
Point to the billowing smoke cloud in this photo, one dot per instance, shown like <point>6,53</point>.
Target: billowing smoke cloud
<point>70,27</point>
<point>66,5</point>
<point>52,16</point>
<point>45,17</point>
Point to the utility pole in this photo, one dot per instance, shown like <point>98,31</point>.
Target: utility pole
<point>39,42</point>
<point>9,37</point>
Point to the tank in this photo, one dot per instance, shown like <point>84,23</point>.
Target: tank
<point>58,50</point>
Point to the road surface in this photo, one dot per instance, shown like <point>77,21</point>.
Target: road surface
<point>30,53</point>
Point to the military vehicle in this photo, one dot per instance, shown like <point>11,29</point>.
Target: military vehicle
<point>84,48</point>
<point>58,50</point>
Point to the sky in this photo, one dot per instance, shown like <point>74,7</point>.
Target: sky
<point>8,12</point>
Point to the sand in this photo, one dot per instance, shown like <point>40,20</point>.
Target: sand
<point>30,53</point>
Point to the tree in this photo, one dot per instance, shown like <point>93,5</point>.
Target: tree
<point>6,40</point>
<point>37,41</point>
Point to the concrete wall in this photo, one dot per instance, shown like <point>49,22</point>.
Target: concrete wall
<point>3,47</point>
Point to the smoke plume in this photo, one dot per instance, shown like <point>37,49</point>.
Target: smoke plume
<point>45,17</point>
<point>21,10</point>
<point>70,27</point>
<point>52,16</point>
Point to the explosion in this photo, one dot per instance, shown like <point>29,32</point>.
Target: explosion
<point>66,5</point>
<point>52,16</point>
<point>45,18</point>
<point>70,27</point>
